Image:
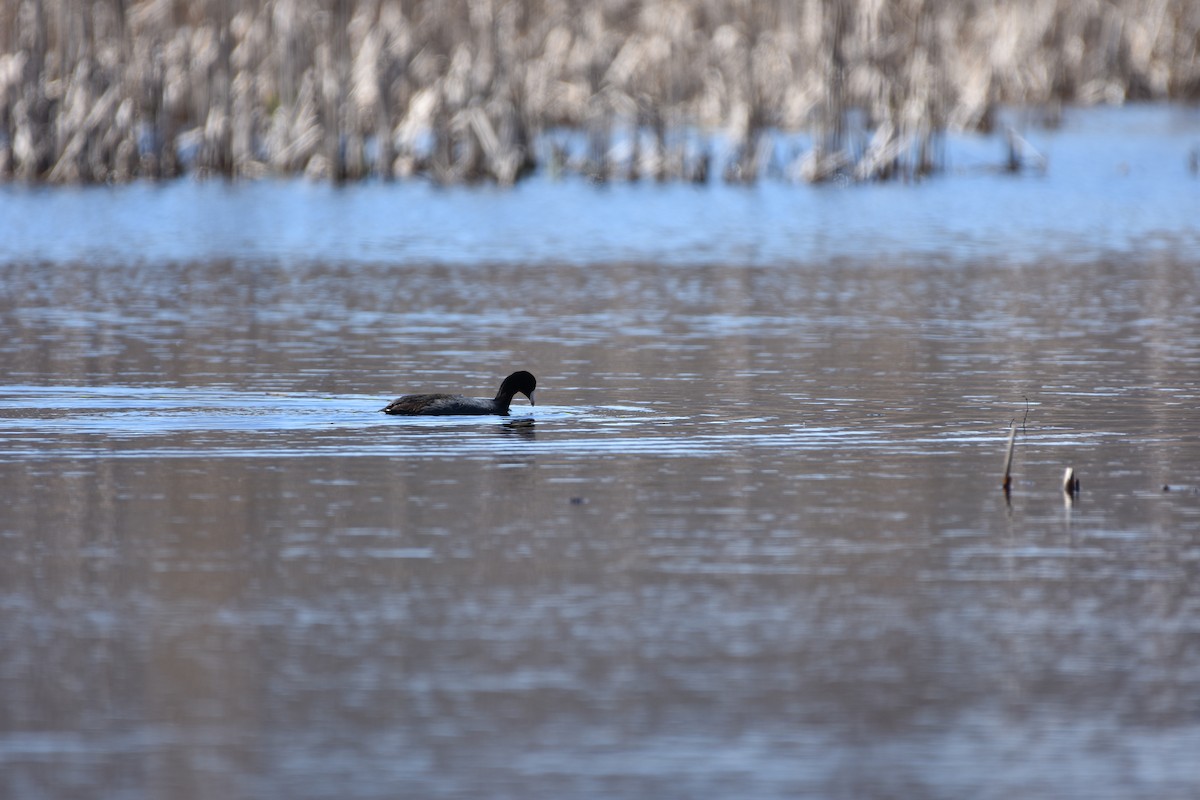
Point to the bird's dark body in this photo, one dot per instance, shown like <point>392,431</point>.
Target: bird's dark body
<point>440,405</point>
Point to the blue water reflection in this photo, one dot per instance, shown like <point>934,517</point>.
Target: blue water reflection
<point>1118,181</point>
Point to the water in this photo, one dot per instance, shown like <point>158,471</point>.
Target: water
<point>1118,180</point>
<point>750,542</point>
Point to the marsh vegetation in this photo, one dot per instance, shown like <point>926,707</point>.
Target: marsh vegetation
<point>470,90</point>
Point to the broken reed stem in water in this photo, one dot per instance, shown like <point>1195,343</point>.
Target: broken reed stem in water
<point>1008,456</point>
<point>469,90</point>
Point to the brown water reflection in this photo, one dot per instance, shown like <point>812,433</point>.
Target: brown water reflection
<point>750,543</point>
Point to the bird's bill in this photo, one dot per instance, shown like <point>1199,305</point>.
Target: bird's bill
<point>530,396</point>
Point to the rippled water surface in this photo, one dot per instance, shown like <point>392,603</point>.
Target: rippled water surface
<point>750,542</point>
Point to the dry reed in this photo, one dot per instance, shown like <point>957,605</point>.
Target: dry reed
<point>467,90</point>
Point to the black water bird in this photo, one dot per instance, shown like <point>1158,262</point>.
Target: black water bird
<point>429,405</point>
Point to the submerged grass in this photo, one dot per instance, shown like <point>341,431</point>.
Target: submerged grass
<point>467,90</point>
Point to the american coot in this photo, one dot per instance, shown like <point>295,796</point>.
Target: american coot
<point>444,404</point>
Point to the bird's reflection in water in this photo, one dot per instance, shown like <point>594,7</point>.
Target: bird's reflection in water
<point>523,428</point>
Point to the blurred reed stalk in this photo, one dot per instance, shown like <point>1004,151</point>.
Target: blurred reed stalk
<point>471,90</point>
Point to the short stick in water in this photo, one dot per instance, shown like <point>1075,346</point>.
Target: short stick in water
<point>1070,482</point>
<point>1012,438</point>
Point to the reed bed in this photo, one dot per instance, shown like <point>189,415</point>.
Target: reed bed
<point>471,90</point>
